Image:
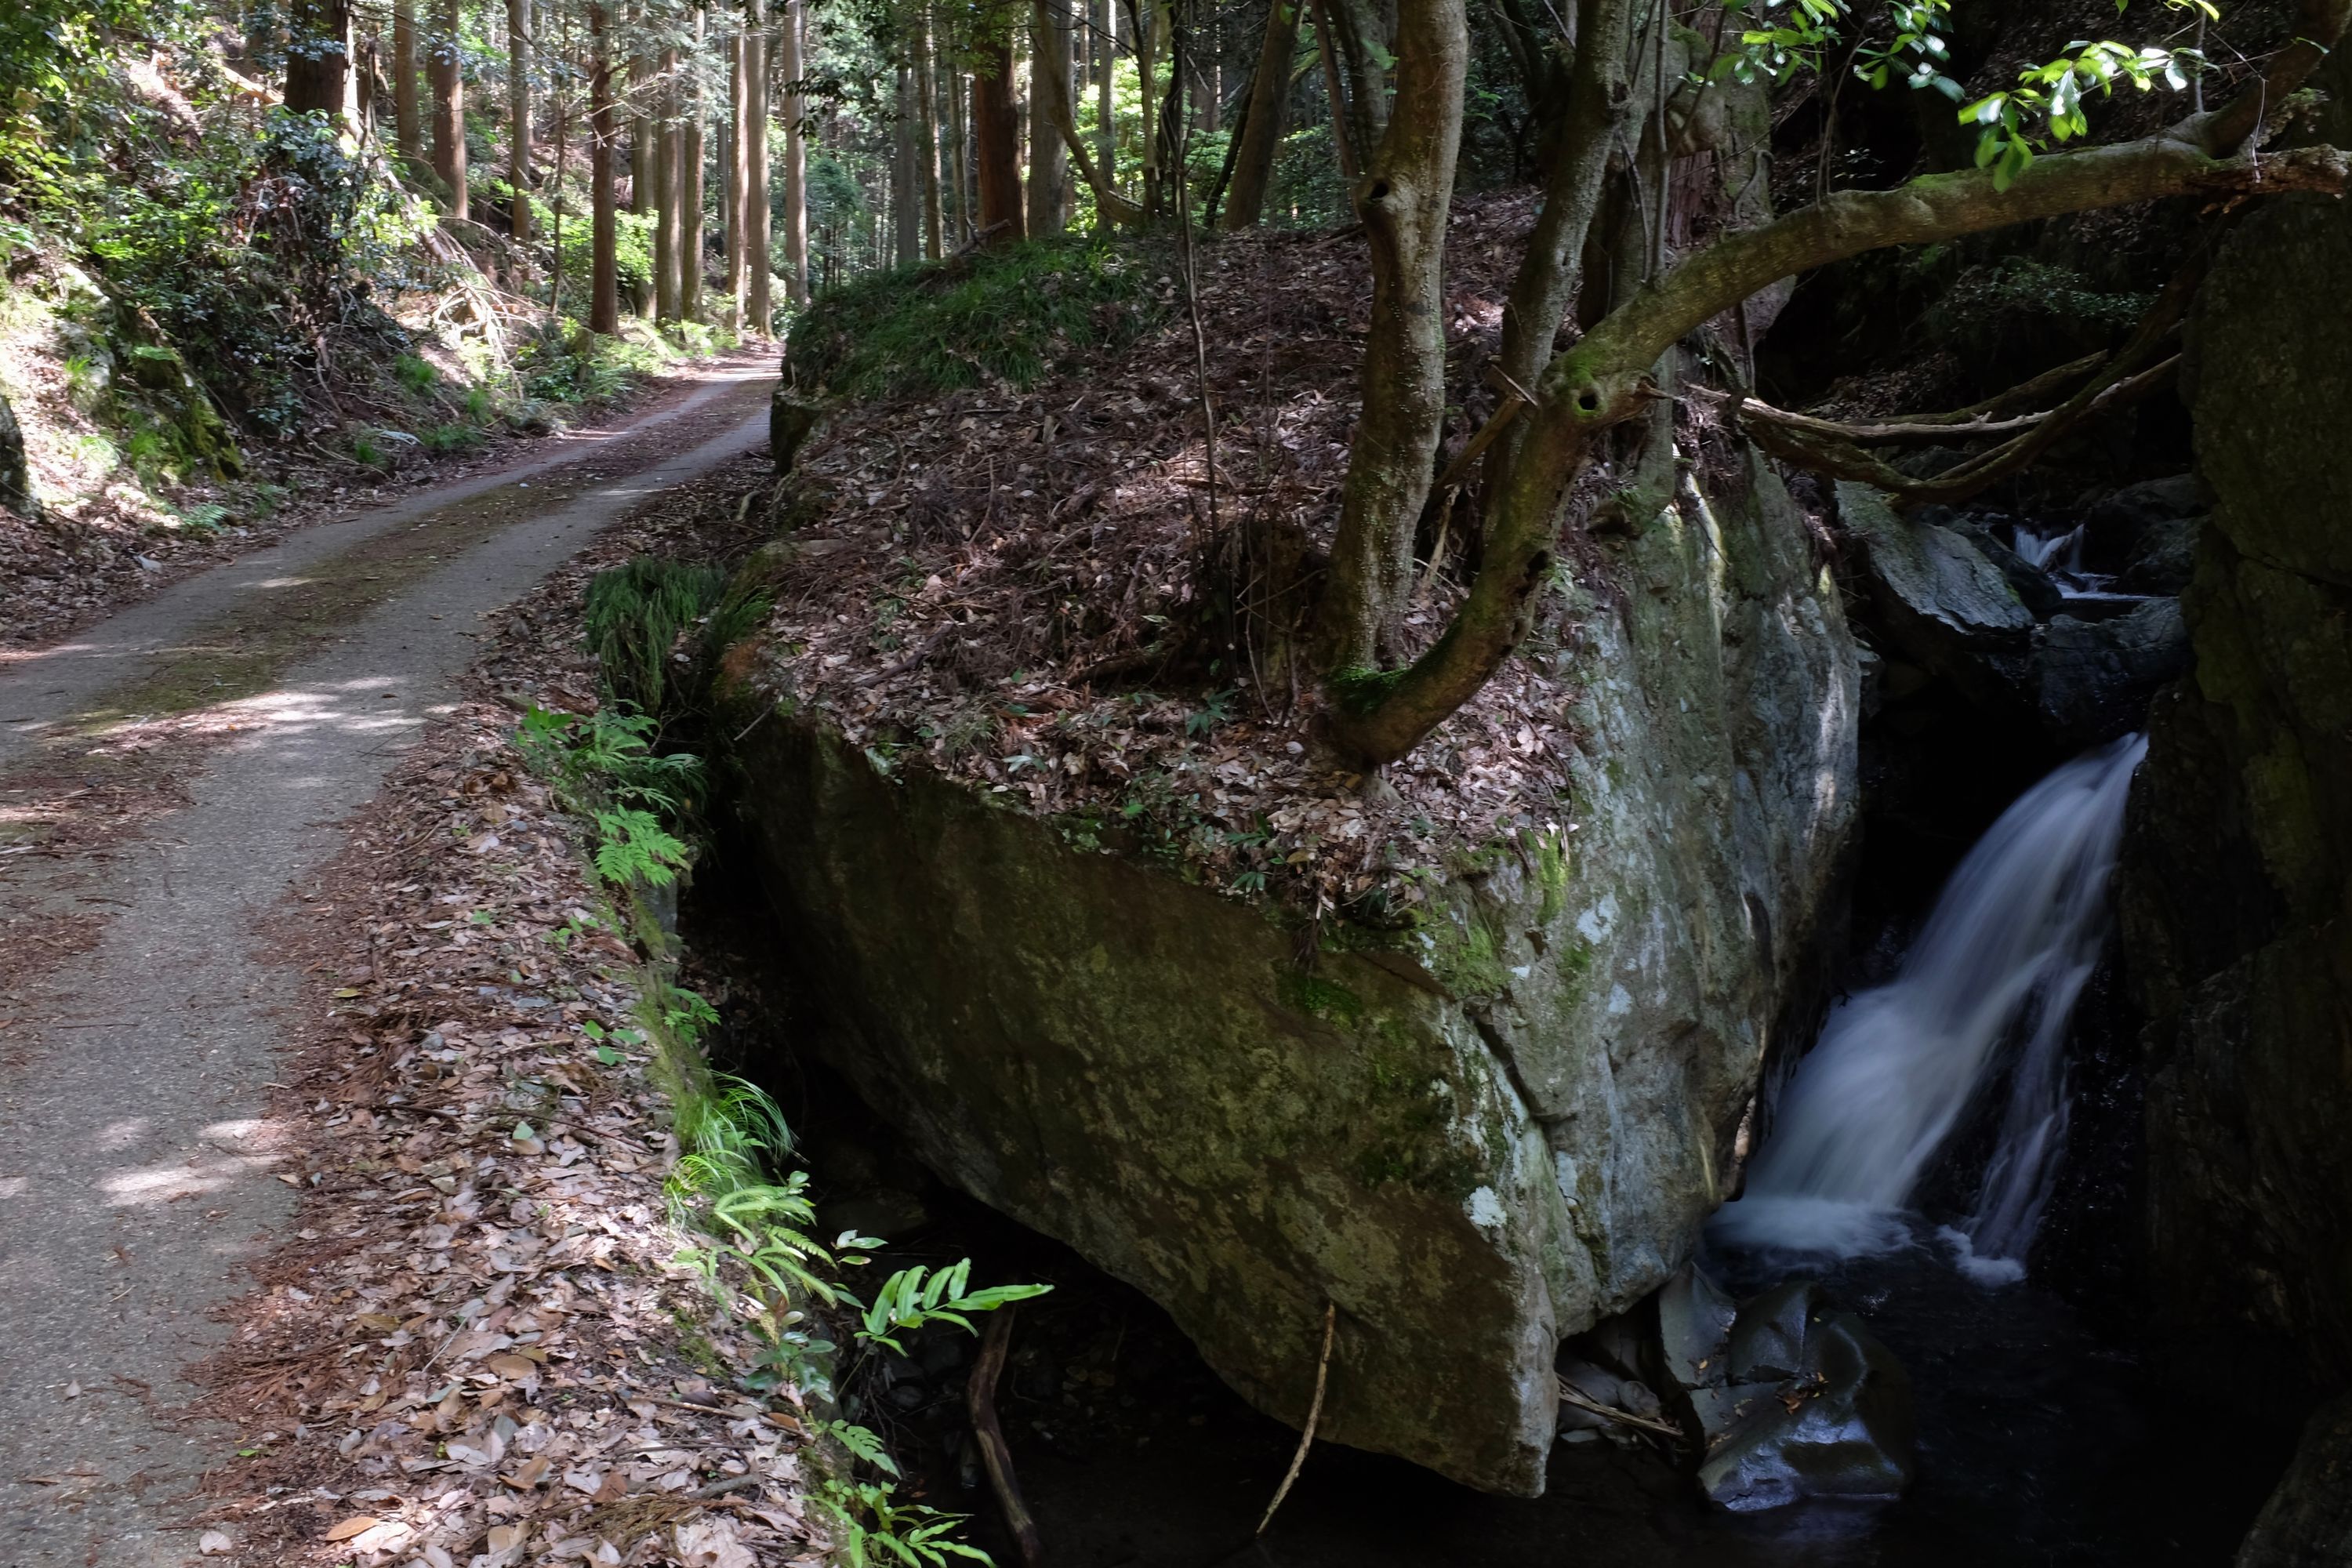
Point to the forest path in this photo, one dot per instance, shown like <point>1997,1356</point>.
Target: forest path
<point>136,1151</point>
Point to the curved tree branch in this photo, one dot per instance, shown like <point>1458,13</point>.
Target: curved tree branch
<point>1605,378</point>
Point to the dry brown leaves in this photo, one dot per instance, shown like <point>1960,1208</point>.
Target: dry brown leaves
<point>978,566</point>
<point>481,1349</point>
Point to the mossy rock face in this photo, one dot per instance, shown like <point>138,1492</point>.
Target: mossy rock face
<point>1474,1137</point>
<point>2237,897</point>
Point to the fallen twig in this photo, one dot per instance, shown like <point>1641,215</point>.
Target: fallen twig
<point>981,1400</point>
<point>1583,1401</point>
<point>1314,1414</point>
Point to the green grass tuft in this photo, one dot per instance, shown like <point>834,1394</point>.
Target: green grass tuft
<point>1009,316</point>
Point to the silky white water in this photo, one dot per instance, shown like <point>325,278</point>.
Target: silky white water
<point>1992,980</point>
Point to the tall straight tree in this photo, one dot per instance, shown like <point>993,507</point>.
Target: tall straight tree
<point>662,141</point>
<point>1106,97</point>
<point>450,107</point>
<point>959,157</point>
<point>906,185</point>
<point>318,56</point>
<point>603,222</point>
<point>690,191</point>
<point>1262,120</point>
<point>518,48</point>
<point>1049,82</point>
<point>794,34</point>
<point>738,173</point>
<point>407,122</point>
<point>927,134</point>
<point>996,141</point>
<point>754,307</point>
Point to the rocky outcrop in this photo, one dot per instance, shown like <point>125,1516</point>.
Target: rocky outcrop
<point>1953,602</point>
<point>2238,868</point>
<point>15,476</point>
<point>2307,1523</point>
<point>1475,1136</point>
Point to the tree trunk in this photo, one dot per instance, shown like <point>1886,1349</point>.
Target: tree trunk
<point>690,194</point>
<point>1265,120</point>
<point>519,46</point>
<point>449,109</point>
<point>662,139</point>
<point>318,57</point>
<point>795,37</point>
<point>926,138</point>
<point>407,124</point>
<point>906,190</point>
<point>641,152</point>
<point>959,158</point>
<point>996,144</point>
<point>1359,30</point>
<point>1107,100</point>
<point>1145,15</point>
<point>739,170</point>
<point>603,223</point>
<point>1049,81</point>
<point>756,309</point>
<point>1602,101</point>
<point>1403,200</point>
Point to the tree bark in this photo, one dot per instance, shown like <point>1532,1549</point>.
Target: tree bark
<point>1602,101</point>
<point>1049,83</point>
<point>407,124</point>
<point>1146,16</point>
<point>1404,199</point>
<point>1605,379</point>
<point>906,186</point>
<point>1265,120</point>
<point>996,144</point>
<point>958,156</point>
<point>603,222</point>
<point>519,46</point>
<point>755,309</point>
<point>663,138</point>
<point>795,37</point>
<point>1106,101</point>
<point>927,137</point>
<point>318,57</point>
<point>690,191</point>
<point>449,109</point>
<point>739,171</point>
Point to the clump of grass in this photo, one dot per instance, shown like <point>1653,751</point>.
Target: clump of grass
<point>635,614</point>
<point>1007,315</point>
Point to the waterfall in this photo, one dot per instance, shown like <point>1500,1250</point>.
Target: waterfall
<point>2004,956</point>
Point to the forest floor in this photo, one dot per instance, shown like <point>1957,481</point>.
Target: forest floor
<point>209,1079</point>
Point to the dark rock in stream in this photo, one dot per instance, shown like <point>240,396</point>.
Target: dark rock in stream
<point>2094,679</point>
<point>2114,528</point>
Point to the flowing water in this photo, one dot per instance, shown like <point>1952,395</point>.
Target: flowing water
<point>1990,983</point>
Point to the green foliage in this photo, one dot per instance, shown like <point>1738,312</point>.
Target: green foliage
<point>415,373</point>
<point>2015,308</point>
<point>1780,37</point>
<point>759,1259</point>
<point>634,615</point>
<point>604,768</point>
<point>1003,315</point>
<point>906,1301</point>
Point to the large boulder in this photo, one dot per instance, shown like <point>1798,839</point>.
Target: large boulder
<point>2093,679</point>
<point>1476,1137</point>
<point>2238,870</point>
<point>15,475</point>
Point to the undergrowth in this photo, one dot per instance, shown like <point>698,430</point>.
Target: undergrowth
<point>744,1207</point>
<point>1007,315</point>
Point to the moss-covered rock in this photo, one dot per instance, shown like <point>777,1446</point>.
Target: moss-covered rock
<point>1475,1136</point>
<point>2238,895</point>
